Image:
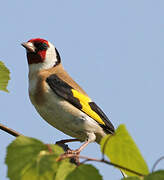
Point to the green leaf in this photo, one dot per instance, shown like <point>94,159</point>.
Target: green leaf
<point>84,172</point>
<point>64,169</point>
<point>122,150</point>
<point>131,178</point>
<point>28,158</point>
<point>158,175</point>
<point>4,77</point>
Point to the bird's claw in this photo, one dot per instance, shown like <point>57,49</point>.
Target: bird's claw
<point>73,154</point>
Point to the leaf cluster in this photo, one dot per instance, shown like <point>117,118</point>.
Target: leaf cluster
<point>29,158</point>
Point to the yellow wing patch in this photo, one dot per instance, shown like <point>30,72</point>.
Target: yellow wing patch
<point>84,101</point>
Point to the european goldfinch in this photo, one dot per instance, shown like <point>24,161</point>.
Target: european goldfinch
<point>59,99</point>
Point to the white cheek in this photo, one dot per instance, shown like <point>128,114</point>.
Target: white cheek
<point>50,59</point>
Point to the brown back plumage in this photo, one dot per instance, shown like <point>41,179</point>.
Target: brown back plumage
<point>62,74</point>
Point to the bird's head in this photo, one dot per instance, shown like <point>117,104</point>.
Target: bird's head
<point>41,54</point>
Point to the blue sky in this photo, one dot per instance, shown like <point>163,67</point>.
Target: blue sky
<point>113,49</point>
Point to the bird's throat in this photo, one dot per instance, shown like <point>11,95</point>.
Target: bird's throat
<point>34,58</point>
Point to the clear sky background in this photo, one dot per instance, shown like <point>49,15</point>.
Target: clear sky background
<point>113,48</point>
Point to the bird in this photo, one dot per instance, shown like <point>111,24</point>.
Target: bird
<point>59,99</point>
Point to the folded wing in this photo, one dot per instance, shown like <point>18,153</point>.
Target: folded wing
<point>80,101</point>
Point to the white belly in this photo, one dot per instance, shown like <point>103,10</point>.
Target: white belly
<point>67,118</point>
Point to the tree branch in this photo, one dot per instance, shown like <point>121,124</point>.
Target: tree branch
<point>16,134</point>
<point>100,160</point>
<point>73,156</point>
<point>112,164</point>
<point>9,130</point>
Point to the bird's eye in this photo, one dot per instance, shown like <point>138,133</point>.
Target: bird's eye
<point>41,46</point>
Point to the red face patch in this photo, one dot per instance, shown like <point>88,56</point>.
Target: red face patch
<point>39,55</point>
<point>38,40</point>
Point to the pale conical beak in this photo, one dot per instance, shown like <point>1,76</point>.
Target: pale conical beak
<point>29,46</point>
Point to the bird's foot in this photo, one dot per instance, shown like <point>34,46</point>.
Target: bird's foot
<point>72,154</point>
